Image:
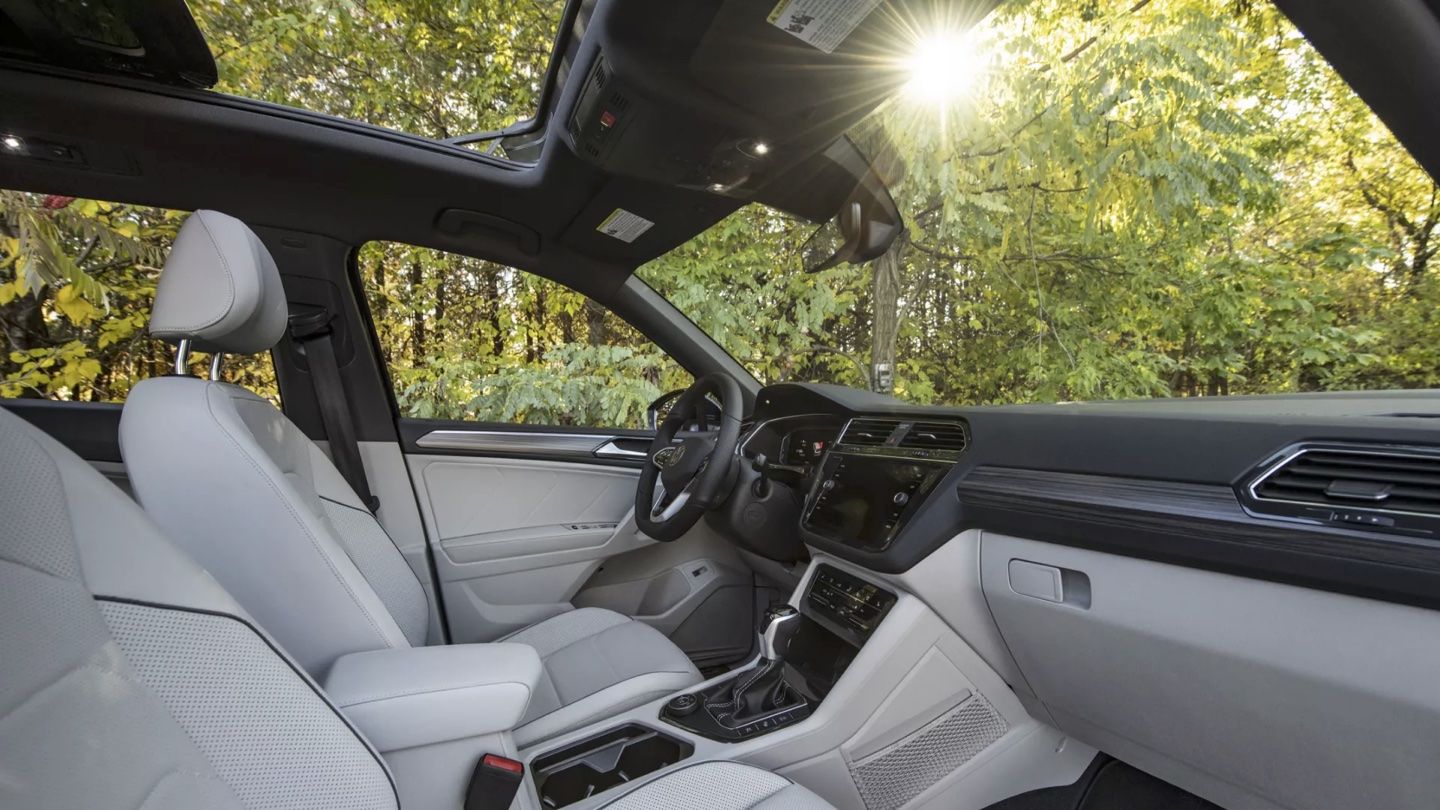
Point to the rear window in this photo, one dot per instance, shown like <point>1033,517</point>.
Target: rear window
<point>77,278</point>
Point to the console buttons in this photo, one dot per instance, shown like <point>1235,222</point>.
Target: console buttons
<point>901,498</point>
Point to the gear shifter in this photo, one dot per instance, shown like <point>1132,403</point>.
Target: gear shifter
<point>757,699</point>
<point>781,622</point>
<point>762,691</point>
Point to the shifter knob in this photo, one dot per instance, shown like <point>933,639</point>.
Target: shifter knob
<point>781,622</point>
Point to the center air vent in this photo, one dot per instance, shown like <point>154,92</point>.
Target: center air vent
<point>949,436</point>
<point>1379,487</point>
<point>869,432</point>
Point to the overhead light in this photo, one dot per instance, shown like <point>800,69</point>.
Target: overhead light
<point>718,187</point>
<point>755,147</point>
<point>12,143</point>
<point>943,67</point>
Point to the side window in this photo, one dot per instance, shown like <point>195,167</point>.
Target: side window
<point>473,340</point>
<point>77,278</point>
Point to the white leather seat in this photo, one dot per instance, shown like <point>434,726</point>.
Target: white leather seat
<point>260,506</point>
<point>129,678</point>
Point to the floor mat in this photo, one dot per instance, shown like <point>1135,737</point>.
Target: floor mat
<point>1108,784</point>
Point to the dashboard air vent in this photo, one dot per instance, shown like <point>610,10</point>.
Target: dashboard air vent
<point>869,432</point>
<point>1382,480</point>
<point>936,436</point>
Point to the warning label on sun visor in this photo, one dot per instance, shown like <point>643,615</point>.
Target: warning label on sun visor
<point>623,225</point>
<point>821,23</point>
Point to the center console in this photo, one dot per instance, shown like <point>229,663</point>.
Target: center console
<point>804,652</point>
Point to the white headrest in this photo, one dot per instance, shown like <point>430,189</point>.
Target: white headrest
<point>219,288</point>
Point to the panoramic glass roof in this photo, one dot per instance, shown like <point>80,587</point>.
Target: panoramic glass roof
<point>440,69</point>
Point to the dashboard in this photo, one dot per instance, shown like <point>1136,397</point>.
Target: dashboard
<point>1243,485</point>
<point>854,481</point>
<point>1194,557</point>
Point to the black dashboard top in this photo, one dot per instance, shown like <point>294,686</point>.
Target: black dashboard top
<point>1206,446</point>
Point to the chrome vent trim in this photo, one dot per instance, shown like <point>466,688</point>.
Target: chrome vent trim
<point>1380,479</point>
<point>951,436</point>
<point>869,432</point>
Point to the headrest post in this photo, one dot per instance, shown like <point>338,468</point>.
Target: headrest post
<point>215,363</point>
<point>182,358</point>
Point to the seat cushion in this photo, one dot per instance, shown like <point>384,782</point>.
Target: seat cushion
<point>597,663</point>
<point>720,786</point>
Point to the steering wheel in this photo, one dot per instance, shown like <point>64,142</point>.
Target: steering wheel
<point>688,472</point>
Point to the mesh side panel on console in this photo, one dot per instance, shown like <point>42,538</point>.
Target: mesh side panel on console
<point>264,729</point>
<point>892,777</point>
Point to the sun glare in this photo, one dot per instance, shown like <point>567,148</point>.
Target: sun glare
<point>942,67</point>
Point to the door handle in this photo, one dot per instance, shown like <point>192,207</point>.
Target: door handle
<point>612,450</point>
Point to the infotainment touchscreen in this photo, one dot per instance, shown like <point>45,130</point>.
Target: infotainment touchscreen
<point>862,501</point>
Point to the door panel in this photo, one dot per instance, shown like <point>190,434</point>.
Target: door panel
<point>519,502</point>
<point>527,522</point>
<point>516,538</point>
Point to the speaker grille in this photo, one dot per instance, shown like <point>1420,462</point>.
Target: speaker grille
<point>889,778</point>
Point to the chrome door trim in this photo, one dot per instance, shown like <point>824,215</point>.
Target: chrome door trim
<point>512,441</point>
<point>612,450</point>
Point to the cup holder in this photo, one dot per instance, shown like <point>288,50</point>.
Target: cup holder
<point>598,763</point>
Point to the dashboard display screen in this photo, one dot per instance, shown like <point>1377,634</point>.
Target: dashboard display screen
<point>863,501</point>
<point>807,447</point>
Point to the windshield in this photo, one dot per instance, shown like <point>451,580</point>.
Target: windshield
<point>1104,200</point>
<point>436,69</point>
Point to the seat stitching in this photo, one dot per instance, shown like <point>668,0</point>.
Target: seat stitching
<point>183,772</point>
<point>63,678</point>
<point>314,541</point>
<point>424,691</point>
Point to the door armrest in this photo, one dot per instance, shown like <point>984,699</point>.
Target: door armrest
<point>415,696</point>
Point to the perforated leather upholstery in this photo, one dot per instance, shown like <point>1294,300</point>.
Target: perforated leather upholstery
<point>129,679</point>
<point>288,537</point>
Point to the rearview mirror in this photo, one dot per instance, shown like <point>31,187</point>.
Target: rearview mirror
<point>865,226</point>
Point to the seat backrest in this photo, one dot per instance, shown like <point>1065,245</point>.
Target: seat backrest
<point>242,489</point>
<point>129,678</point>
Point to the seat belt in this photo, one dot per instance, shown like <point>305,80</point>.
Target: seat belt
<point>312,331</point>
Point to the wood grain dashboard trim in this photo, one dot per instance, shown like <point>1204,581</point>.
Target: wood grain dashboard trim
<point>1199,525</point>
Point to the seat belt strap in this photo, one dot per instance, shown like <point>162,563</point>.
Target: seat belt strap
<point>313,332</point>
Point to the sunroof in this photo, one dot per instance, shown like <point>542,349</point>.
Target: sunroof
<point>441,69</point>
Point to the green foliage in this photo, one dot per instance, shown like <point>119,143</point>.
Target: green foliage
<point>1136,198</point>
<point>77,278</point>
<point>470,339</point>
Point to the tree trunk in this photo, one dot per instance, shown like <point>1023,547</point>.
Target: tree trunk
<point>417,321</point>
<point>885,321</point>
<point>595,321</point>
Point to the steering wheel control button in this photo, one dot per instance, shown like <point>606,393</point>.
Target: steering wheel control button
<point>681,705</point>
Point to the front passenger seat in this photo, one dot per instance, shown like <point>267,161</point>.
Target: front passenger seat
<point>259,505</point>
<point>129,678</point>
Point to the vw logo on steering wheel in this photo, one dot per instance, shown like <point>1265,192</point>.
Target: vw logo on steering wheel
<point>667,457</point>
